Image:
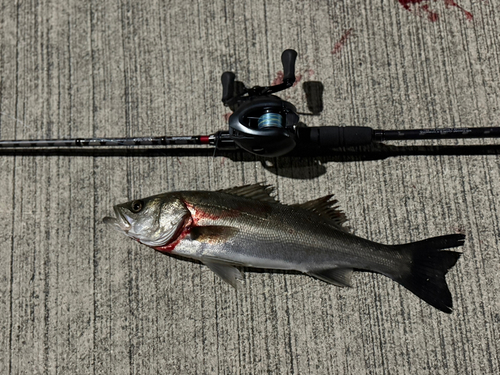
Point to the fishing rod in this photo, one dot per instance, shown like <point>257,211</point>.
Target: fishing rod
<point>266,125</point>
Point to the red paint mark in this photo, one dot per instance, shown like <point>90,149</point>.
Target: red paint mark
<point>205,139</point>
<point>279,79</point>
<point>342,41</point>
<point>226,116</point>
<point>409,5</point>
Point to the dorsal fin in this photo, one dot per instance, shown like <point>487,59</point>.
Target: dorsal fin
<point>326,207</point>
<point>258,191</point>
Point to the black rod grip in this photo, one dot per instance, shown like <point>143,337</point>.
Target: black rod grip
<point>337,136</point>
<point>288,58</point>
<point>227,86</point>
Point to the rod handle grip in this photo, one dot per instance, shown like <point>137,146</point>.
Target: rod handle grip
<point>337,136</point>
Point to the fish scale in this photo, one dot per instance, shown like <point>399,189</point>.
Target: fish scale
<point>246,227</point>
<point>289,230</point>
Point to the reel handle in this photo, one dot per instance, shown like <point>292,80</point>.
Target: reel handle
<point>288,58</point>
<point>227,86</point>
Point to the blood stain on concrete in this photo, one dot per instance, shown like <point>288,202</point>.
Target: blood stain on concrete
<point>424,5</point>
<point>279,79</point>
<point>342,41</point>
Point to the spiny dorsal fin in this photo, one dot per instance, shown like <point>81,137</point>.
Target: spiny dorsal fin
<point>326,207</point>
<point>258,191</point>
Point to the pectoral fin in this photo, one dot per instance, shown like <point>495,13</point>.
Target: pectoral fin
<point>229,274</point>
<point>336,276</point>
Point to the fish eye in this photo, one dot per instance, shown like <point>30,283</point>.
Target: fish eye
<point>137,206</point>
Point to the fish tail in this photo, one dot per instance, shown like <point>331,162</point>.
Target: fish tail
<point>428,266</point>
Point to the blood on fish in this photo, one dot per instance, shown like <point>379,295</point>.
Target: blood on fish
<point>178,237</point>
<point>168,248</point>
<point>197,215</point>
<point>193,221</point>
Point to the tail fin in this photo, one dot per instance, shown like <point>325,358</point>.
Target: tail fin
<point>428,267</point>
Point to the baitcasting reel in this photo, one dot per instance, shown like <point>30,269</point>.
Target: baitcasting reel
<point>266,125</point>
<point>262,123</point>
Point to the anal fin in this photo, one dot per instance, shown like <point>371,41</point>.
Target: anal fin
<point>336,276</point>
<point>226,272</point>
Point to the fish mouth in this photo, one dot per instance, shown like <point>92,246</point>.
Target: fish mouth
<point>120,222</point>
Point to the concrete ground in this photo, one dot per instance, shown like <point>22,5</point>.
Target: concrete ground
<point>78,298</point>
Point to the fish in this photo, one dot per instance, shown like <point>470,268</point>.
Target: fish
<point>247,227</point>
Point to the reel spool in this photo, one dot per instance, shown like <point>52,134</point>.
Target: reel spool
<point>264,126</point>
<point>270,120</point>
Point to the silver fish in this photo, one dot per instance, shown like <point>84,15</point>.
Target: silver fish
<point>246,227</point>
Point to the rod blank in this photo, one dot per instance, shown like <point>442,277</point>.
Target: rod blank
<point>93,142</point>
<point>445,133</point>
